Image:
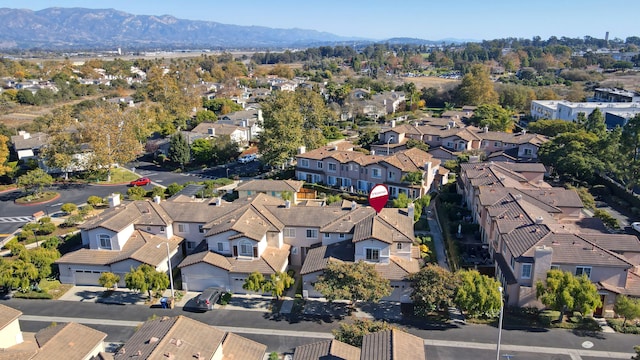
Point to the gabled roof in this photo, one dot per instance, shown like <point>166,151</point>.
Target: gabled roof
<point>271,261</point>
<point>389,226</point>
<point>392,345</point>
<point>410,160</point>
<point>220,129</point>
<point>142,212</point>
<point>8,315</point>
<point>618,243</point>
<point>236,347</point>
<point>573,249</point>
<point>179,336</point>
<point>70,341</point>
<point>326,350</point>
<point>318,258</point>
<point>271,185</point>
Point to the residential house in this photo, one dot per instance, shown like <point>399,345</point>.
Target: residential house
<point>275,188</point>
<point>382,345</point>
<point>28,145</point>
<point>181,337</point>
<point>251,119</point>
<point>615,95</point>
<point>531,228</point>
<point>340,166</point>
<point>67,341</point>
<point>568,111</point>
<point>237,134</point>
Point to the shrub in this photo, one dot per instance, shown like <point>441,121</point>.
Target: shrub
<point>136,193</point>
<point>224,299</point>
<point>173,189</point>
<point>25,235</point>
<point>158,191</point>
<point>32,295</point>
<point>85,210</point>
<point>46,228</point>
<point>73,220</point>
<point>547,317</point>
<point>274,356</point>
<point>69,208</point>
<point>94,200</point>
<point>51,243</point>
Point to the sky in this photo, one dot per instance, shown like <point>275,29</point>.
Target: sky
<point>383,19</point>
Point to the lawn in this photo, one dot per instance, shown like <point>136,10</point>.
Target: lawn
<point>37,199</point>
<point>118,176</point>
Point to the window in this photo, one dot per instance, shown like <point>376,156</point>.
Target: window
<point>183,228</point>
<point>332,167</point>
<point>161,228</point>
<point>375,173</point>
<point>555,267</point>
<point>373,254</point>
<point>583,270</point>
<point>201,229</point>
<point>294,250</point>
<point>327,235</point>
<point>496,144</point>
<point>391,175</point>
<point>342,236</point>
<point>526,271</point>
<point>304,163</point>
<point>528,152</point>
<point>246,249</point>
<point>319,164</point>
<point>399,246</point>
<point>331,180</point>
<point>220,246</point>
<point>312,233</point>
<point>104,241</point>
<point>190,245</point>
<point>289,232</point>
<point>513,263</point>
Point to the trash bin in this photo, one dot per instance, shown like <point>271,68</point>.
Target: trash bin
<point>164,302</point>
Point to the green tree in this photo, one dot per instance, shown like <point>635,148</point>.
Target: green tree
<point>221,106</point>
<point>4,155</point>
<point>516,97</point>
<point>368,136</point>
<point>108,280</point>
<point>23,274</point>
<point>136,193</point>
<point>433,289</point>
<point>179,151</point>
<point>414,178</point>
<point>94,200</point>
<point>628,308</point>
<point>573,155</point>
<point>551,127</point>
<point>476,87</point>
<point>595,122</point>
<point>563,291</point>
<point>278,283</point>
<point>63,143</point>
<point>495,117</point>
<point>202,150</point>
<point>254,282</point>
<point>478,295</point>
<point>352,281</point>
<point>204,116</point>
<point>413,143</point>
<point>42,259</point>
<point>69,208</point>
<point>34,181</point>
<point>146,279</point>
<point>353,333</point>
<point>630,152</point>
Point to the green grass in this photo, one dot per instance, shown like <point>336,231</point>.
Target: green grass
<point>118,176</point>
<point>36,199</point>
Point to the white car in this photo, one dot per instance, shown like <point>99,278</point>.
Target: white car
<point>247,158</point>
<point>636,226</point>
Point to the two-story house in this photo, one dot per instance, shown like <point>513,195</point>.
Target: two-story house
<point>239,135</point>
<point>354,171</point>
<point>275,188</point>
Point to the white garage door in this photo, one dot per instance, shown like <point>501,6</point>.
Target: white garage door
<point>87,277</point>
<point>236,285</point>
<point>197,283</point>
<point>401,292</point>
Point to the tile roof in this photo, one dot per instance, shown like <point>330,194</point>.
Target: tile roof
<point>389,226</point>
<point>615,242</point>
<point>236,347</point>
<point>220,129</point>
<point>271,261</point>
<point>33,141</point>
<point>410,160</point>
<point>271,185</point>
<point>141,246</point>
<point>392,345</point>
<point>8,315</point>
<point>326,350</point>
<point>398,268</point>
<point>180,337</point>
<point>138,212</point>
<point>318,258</point>
<point>208,257</point>
<point>70,341</point>
<point>342,151</point>
<point>573,249</point>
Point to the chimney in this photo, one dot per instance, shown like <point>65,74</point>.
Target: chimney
<point>373,152</point>
<point>524,131</point>
<point>302,150</point>
<point>427,167</point>
<point>449,126</point>
<point>212,131</point>
<point>485,129</point>
<point>354,205</point>
<point>452,124</point>
<point>218,201</point>
<point>543,258</point>
<point>393,123</point>
<point>114,200</point>
<point>287,204</point>
<point>156,199</point>
<point>539,220</point>
<point>411,210</point>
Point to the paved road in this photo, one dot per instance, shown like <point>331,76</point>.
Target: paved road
<point>444,342</point>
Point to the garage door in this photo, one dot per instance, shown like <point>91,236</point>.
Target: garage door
<point>236,285</point>
<point>401,292</point>
<point>197,283</point>
<point>87,277</point>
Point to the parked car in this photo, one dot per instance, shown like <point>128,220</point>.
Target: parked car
<point>636,226</point>
<point>140,182</point>
<point>247,158</point>
<point>208,297</point>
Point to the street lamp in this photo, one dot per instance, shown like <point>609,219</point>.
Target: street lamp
<point>500,323</point>
<point>388,141</point>
<point>170,268</point>
<point>227,173</point>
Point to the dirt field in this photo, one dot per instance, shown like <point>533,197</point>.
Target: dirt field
<point>626,80</point>
<point>432,81</point>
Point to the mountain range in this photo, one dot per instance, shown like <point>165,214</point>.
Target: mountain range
<point>98,29</point>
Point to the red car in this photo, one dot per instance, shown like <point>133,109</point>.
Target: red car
<point>140,182</point>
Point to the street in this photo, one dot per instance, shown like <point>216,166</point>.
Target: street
<point>282,334</point>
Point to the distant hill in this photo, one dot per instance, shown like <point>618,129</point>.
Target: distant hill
<point>80,28</point>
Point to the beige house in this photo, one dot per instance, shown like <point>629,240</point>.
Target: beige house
<point>274,188</point>
<point>10,333</point>
<point>184,338</point>
<point>531,228</point>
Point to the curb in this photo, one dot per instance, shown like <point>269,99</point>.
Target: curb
<point>41,202</point>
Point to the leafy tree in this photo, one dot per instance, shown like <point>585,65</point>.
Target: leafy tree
<point>495,117</point>
<point>606,218</point>
<point>202,150</point>
<point>136,193</point>
<point>352,281</point>
<point>4,155</point>
<point>221,106</point>
<point>174,188</point>
<point>413,143</point>
<point>35,180</point>
<point>563,291</point>
<point>158,191</point>
<point>353,334</point>
<point>630,152</point>
<point>476,87</point>
<point>414,178</point>
<point>552,127</point>
<point>111,134</point>
<point>478,295</point>
<point>42,259</point>
<point>69,208</point>
<point>254,282</point>
<point>595,122</point>
<point>108,280</point>
<point>574,155</point>
<point>179,151</point>
<point>516,97</point>
<point>278,283</point>
<point>22,273</point>
<point>94,200</point>
<point>204,116</point>
<point>368,136</point>
<point>433,289</point>
<point>145,279</point>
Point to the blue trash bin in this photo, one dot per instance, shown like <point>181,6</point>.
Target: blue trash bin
<point>163,302</point>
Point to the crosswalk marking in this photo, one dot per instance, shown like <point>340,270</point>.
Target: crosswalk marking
<point>16,219</point>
